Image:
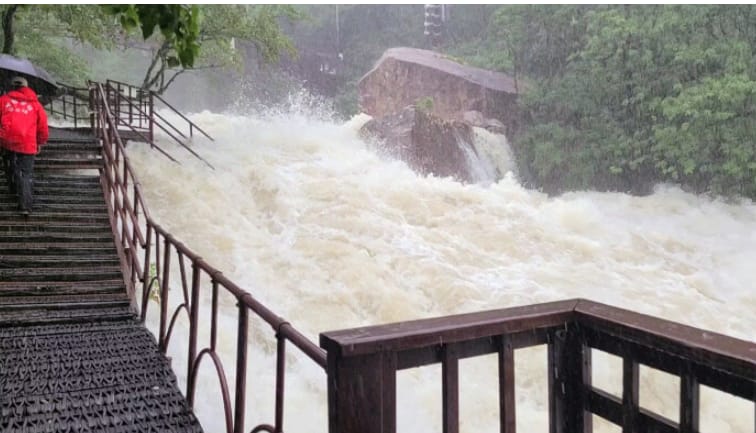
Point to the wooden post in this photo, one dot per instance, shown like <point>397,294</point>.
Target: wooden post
<point>507,387</point>
<point>361,393</point>
<point>569,372</point>
<point>630,402</point>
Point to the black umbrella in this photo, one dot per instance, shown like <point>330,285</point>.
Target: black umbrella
<point>39,80</point>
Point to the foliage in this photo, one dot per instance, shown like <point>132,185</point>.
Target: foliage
<point>45,34</point>
<point>179,26</point>
<point>632,95</point>
<point>221,29</point>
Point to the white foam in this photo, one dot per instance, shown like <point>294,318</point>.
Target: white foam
<point>330,235</point>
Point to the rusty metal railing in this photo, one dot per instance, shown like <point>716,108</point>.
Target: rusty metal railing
<point>145,246</point>
<point>72,104</point>
<point>136,106</point>
<point>363,362</point>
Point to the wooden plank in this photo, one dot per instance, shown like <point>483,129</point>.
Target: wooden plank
<point>449,329</point>
<point>715,350</point>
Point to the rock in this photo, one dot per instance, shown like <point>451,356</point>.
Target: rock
<point>476,118</point>
<point>405,76</point>
<point>427,143</point>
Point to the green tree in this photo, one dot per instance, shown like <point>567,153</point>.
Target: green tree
<point>217,28</point>
<point>638,95</point>
<point>45,34</point>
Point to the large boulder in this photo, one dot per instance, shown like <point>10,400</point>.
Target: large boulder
<point>428,144</point>
<point>405,76</point>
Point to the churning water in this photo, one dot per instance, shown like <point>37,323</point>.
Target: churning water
<point>331,233</point>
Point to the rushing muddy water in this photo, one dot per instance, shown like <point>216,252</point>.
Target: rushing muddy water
<point>331,233</point>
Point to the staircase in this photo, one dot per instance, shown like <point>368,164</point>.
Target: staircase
<point>73,354</point>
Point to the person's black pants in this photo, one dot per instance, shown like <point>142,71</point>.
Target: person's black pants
<point>19,169</point>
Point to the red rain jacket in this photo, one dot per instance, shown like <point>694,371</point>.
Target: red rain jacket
<point>23,121</point>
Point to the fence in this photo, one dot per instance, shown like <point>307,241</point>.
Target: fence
<point>363,362</point>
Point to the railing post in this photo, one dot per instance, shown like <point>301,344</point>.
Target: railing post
<point>361,391</point>
<point>241,367</point>
<point>193,331</point>
<point>569,371</point>
<point>152,116</point>
<point>689,401</point>
<point>507,417</point>
<point>630,395</point>
<point>146,279</point>
<point>164,294</point>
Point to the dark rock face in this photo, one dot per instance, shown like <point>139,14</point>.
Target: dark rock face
<point>428,144</point>
<point>403,76</point>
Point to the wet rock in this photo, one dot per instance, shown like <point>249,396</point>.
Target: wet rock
<point>427,143</point>
<point>476,118</point>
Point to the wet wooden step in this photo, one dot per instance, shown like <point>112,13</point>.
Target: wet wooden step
<point>57,248</point>
<point>50,316</point>
<point>60,274</point>
<point>38,216</point>
<point>59,207</point>
<point>36,237</point>
<point>63,260</point>
<point>24,301</point>
<point>60,226</point>
<point>41,288</point>
<point>74,197</point>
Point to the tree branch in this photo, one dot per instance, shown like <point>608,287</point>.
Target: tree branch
<point>9,34</point>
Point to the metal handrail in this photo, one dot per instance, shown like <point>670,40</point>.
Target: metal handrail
<point>140,240</point>
<point>141,112</point>
<point>152,94</point>
<point>75,98</point>
<point>192,125</point>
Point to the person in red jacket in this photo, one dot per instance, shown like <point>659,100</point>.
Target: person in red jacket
<point>23,128</point>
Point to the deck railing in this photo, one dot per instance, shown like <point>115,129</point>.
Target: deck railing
<point>363,363</point>
<point>148,251</point>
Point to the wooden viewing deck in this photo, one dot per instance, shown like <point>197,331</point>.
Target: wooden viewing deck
<point>73,353</point>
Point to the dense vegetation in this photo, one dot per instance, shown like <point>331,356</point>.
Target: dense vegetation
<point>614,96</point>
<point>623,96</point>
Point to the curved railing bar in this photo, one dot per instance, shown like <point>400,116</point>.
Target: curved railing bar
<point>169,332</point>
<point>224,386</point>
<point>277,323</point>
<point>264,427</point>
<point>182,270</point>
<point>146,296</point>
